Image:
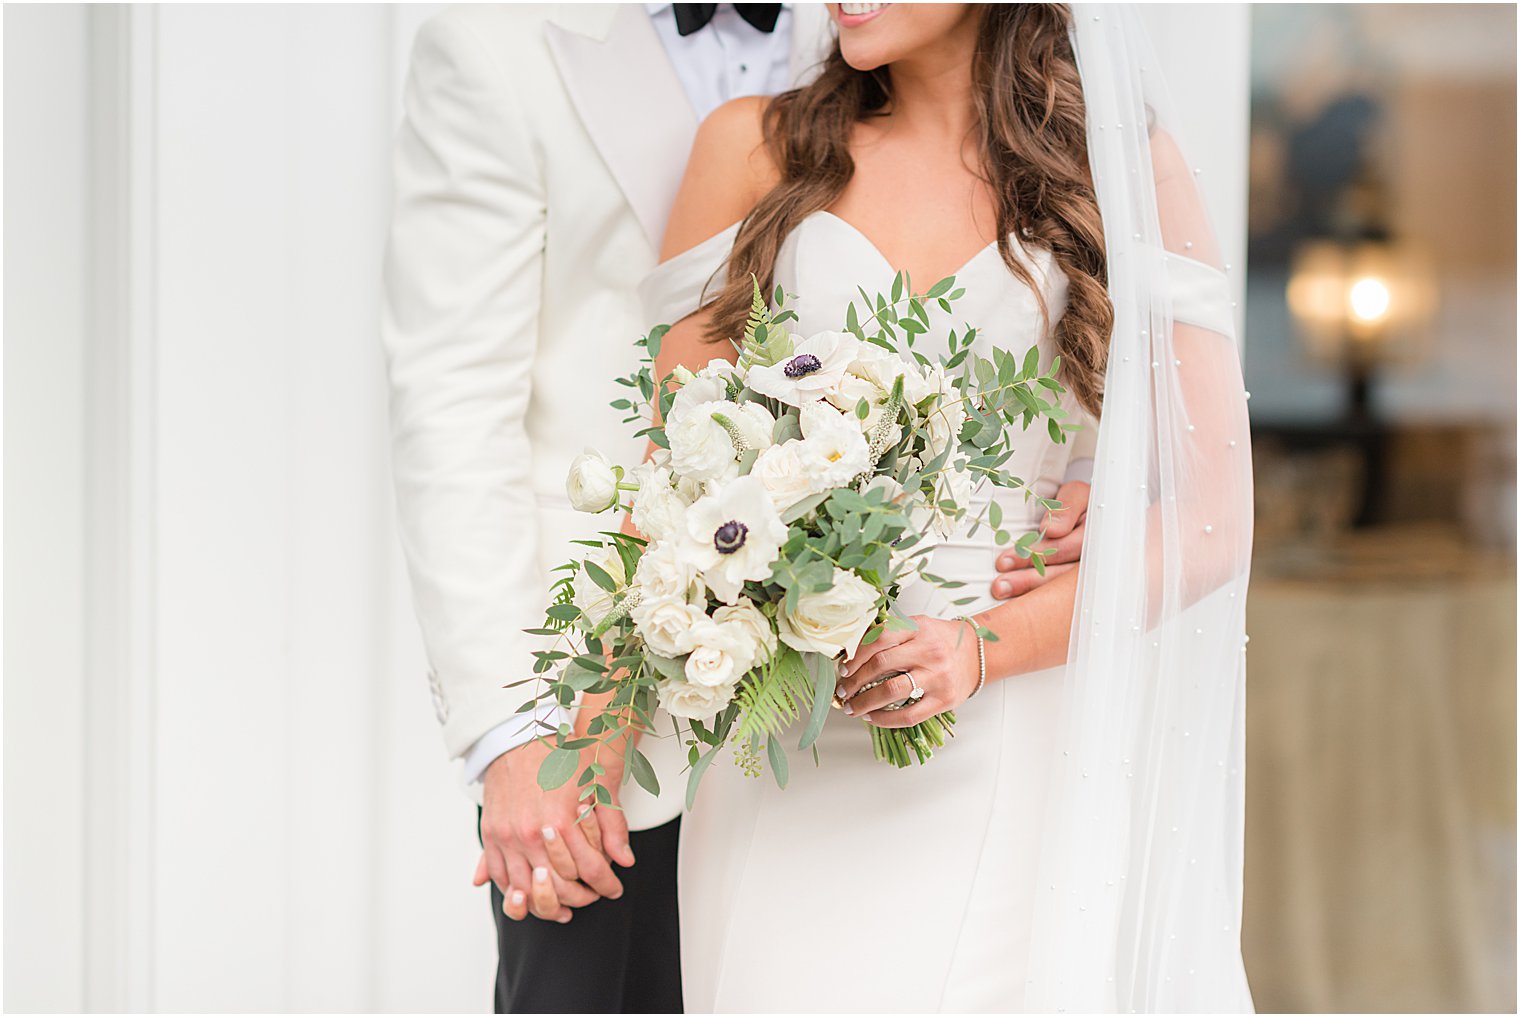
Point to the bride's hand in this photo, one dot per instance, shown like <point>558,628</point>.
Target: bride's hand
<point>940,654</point>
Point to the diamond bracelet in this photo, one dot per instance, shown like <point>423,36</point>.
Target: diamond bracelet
<point>981,654</point>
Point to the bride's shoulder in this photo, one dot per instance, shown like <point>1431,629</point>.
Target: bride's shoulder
<point>730,169</point>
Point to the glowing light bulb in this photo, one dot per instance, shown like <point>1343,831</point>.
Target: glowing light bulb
<point>1370,299</point>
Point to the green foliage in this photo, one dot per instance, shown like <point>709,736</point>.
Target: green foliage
<point>771,698</point>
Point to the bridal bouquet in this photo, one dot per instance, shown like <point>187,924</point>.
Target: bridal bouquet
<point>791,495</point>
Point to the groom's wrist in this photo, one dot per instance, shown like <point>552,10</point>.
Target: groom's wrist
<point>508,735</point>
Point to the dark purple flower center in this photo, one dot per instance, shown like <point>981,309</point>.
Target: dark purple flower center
<point>730,536</point>
<point>802,365</point>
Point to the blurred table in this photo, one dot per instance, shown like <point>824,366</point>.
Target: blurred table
<point>1380,817</point>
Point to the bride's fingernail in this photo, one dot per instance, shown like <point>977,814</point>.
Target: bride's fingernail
<point>518,897</point>
<point>843,668</point>
<point>849,711</point>
<point>562,919</point>
<point>540,875</point>
<point>839,690</point>
<point>549,833</point>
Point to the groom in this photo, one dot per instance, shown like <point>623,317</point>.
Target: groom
<point>538,158</point>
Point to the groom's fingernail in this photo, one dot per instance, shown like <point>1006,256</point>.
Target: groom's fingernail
<point>549,833</point>
<point>562,919</point>
<point>540,875</point>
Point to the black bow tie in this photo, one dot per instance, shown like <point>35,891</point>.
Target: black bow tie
<point>694,17</point>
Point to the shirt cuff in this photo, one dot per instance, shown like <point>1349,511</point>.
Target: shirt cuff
<point>1079,469</point>
<point>508,735</point>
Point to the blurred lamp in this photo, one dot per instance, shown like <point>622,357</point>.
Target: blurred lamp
<point>1361,303</point>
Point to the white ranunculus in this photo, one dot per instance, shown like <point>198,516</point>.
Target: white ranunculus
<point>592,483</point>
<point>666,625</point>
<point>709,385</point>
<point>659,505</point>
<point>754,424</point>
<point>787,473</point>
<point>751,628</point>
<point>833,621</point>
<point>719,655</point>
<point>816,365</point>
<point>681,698</point>
<point>732,535</point>
<point>594,601</point>
<point>833,445</point>
<point>701,448</point>
<point>664,573</point>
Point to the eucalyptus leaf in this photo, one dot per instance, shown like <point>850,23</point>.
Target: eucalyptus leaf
<point>643,772</point>
<point>557,767</point>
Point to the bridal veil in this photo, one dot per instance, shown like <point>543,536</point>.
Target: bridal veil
<point>1139,892</point>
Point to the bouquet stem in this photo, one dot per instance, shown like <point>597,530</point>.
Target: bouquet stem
<point>895,744</point>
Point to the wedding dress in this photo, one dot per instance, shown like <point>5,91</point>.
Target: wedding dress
<point>861,887</point>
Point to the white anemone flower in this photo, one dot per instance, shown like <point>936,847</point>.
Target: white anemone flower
<point>734,535</point>
<point>816,366</point>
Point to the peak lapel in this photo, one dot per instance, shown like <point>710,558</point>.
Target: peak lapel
<point>633,107</point>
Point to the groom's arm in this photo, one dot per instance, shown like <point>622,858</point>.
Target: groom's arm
<point>462,282</point>
<point>463,276</point>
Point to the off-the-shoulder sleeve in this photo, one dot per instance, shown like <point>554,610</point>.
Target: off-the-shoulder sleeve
<point>678,287</point>
<point>1200,294</point>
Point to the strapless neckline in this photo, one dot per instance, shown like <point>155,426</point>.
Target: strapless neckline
<point>875,249</point>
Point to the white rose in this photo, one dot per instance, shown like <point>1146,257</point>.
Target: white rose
<point>592,483</point>
<point>659,505</point>
<point>953,485</point>
<point>833,621</point>
<point>595,602</point>
<point>787,474</point>
<point>664,573</point>
<point>666,625</point>
<point>718,655</point>
<point>848,394</point>
<point>751,628</point>
<point>681,698</point>
<point>945,415</point>
<point>881,367</point>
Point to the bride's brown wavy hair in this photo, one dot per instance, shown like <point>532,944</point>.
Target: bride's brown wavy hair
<point>1033,142</point>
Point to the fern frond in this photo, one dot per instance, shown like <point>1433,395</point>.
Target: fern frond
<point>771,701</point>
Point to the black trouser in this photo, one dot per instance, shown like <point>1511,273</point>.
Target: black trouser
<point>614,956</point>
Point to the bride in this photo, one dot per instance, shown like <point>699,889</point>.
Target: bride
<point>1077,845</point>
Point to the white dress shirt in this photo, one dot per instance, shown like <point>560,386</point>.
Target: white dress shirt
<point>726,59</point>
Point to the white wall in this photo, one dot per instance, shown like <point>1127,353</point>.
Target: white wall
<point>239,755</point>
<point>46,258</point>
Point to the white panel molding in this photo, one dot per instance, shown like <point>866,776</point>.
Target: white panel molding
<point>120,669</point>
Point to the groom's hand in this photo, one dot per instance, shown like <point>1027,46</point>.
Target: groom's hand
<point>1065,530</point>
<point>542,859</point>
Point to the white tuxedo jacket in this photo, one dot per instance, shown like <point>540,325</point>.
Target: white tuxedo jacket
<point>541,150</point>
